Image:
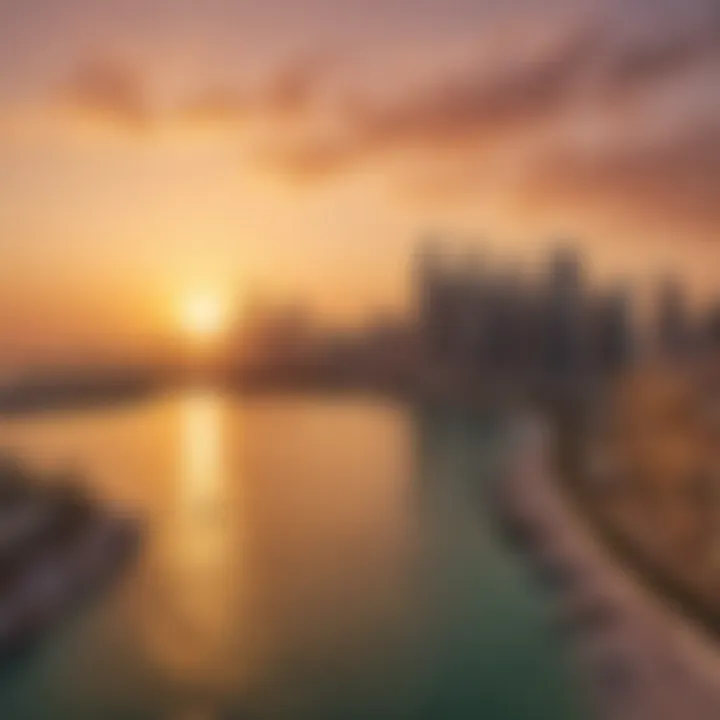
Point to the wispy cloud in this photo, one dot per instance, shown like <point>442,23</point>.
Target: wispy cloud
<point>315,129</point>
<point>673,180</point>
<point>633,127</point>
<point>488,105</point>
<point>125,96</point>
<point>110,90</point>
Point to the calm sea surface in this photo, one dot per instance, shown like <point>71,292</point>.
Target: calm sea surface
<point>306,559</point>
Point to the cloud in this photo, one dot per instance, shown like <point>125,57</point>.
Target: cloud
<point>297,88</point>
<point>110,90</point>
<point>474,105</point>
<point>477,103</point>
<point>638,66</point>
<point>472,108</point>
<point>125,96</point>
<point>528,108</point>
<point>483,106</point>
<point>669,181</point>
<point>557,130</point>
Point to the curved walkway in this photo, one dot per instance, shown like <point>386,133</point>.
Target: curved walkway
<point>639,659</point>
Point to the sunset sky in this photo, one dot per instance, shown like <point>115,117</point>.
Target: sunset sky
<point>151,150</point>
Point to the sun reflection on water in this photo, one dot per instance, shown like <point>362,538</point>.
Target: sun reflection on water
<point>201,450</point>
<point>192,635</point>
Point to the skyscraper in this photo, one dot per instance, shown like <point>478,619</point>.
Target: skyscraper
<point>673,331</point>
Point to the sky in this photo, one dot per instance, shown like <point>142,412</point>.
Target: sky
<point>154,150</point>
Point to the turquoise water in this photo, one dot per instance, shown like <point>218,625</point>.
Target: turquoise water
<point>305,559</point>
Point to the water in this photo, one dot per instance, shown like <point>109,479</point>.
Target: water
<point>307,559</point>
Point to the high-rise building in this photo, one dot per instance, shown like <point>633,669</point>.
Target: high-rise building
<point>434,300</point>
<point>492,322</point>
<point>712,327</point>
<point>613,331</point>
<point>673,331</point>
<point>565,317</point>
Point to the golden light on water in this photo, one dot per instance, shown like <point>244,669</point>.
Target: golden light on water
<point>202,449</point>
<point>192,619</point>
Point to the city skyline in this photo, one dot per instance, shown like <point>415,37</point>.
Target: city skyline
<point>360,360</point>
<point>151,152</point>
<point>207,327</point>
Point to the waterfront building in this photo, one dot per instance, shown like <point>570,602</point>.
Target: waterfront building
<point>495,321</point>
<point>673,331</point>
<point>613,332</point>
<point>566,322</point>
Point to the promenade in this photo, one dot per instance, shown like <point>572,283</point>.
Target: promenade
<point>640,659</point>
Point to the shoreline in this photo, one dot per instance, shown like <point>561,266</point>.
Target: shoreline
<point>693,607</point>
<point>638,658</point>
<point>58,548</point>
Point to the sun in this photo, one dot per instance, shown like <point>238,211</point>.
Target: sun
<point>203,316</point>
